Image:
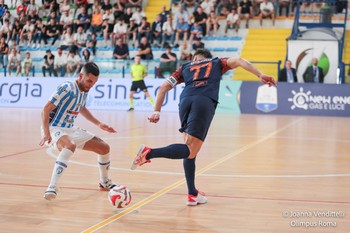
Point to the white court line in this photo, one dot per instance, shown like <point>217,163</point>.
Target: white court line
<point>52,154</point>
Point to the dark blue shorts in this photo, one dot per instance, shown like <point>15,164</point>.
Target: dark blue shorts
<point>196,113</point>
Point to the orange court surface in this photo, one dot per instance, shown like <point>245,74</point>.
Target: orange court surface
<point>261,174</point>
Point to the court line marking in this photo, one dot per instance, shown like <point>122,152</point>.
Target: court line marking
<point>181,194</point>
<point>182,181</point>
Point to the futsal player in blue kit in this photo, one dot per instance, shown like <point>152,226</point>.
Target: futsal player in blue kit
<point>58,129</point>
<point>197,106</point>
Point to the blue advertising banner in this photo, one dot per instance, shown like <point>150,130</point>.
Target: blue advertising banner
<point>296,99</point>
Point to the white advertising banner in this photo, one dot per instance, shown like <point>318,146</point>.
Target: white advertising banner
<point>107,94</point>
<point>301,52</point>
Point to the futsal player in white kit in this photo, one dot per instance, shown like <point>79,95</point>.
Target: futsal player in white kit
<point>58,127</point>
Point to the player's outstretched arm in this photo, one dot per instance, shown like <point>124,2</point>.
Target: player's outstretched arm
<point>236,62</point>
<point>45,118</point>
<point>163,89</point>
<point>88,115</point>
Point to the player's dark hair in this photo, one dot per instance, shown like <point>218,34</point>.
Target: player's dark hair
<point>91,68</point>
<point>203,52</point>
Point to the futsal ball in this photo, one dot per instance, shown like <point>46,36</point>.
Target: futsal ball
<point>119,196</point>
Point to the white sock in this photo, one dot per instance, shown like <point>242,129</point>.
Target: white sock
<point>103,166</point>
<point>60,165</point>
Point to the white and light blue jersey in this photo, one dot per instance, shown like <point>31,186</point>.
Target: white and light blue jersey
<point>68,100</point>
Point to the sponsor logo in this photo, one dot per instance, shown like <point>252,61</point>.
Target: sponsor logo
<point>59,170</point>
<point>15,92</point>
<point>266,98</point>
<point>305,100</point>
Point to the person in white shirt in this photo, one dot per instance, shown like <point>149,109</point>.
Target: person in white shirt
<point>66,20</point>
<point>72,63</point>
<point>27,32</point>
<point>60,62</point>
<point>80,38</point>
<point>107,25</point>
<point>168,31</point>
<point>5,30</point>
<point>14,62</point>
<point>32,7</point>
<point>267,11</point>
<point>232,21</point>
<point>138,15</point>
<point>119,31</point>
<point>208,6</point>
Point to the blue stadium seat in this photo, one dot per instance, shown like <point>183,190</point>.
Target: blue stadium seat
<point>233,49</point>
<point>218,49</point>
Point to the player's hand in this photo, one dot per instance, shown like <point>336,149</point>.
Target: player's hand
<point>269,80</point>
<point>154,118</point>
<point>107,128</point>
<point>45,140</point>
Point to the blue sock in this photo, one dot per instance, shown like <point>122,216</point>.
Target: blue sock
<point>190,173</point>
<point>173,151</point>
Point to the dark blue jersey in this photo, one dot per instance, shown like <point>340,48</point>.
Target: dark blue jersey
<point>201,77</point>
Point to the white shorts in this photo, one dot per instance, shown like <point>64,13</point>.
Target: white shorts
<point>78,135</point>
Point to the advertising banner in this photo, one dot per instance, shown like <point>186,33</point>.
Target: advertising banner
<point>301,52</point>
<point>296,99</point>
<point>107,94</point>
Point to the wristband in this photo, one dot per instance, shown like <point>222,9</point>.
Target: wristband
<point>156,112</point>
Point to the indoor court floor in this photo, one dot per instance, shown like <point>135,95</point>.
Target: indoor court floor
<point>261,174</point>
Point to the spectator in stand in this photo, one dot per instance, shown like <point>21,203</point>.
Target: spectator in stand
<point>198,44</point>
<point>128,15</point>
<point>27,64</point>
<point>180,13</point>
<point>16,31</point>
<point>80,38</point>
<point>33,17</point>
<point>314,73</point>
<point>5,30</point>
<point>195,31</point>
<point>225,6</point>
<point>119,31</point>
<point>207,6</point>
<point>201,18</point>
<point>144,30</point>
<point>55,16</point>
<point>14,45</point>
<point>232,21</point>
<point>121,50</point>
<point>284,4</point>
<point>52,31</point>
<point>3,9</point>
<point>122,3</point>
<point>190,6</point>
<point>92,43</point>
<point>27,32</point>
<point>267,11</point>
<point>107,25</point>
<point>132,31</point>
<point>256,7</point>
<point>48,65</point>
<point>67,39</point>
<point>213,24</point>
<point>64,6</point>
<point>106,5</point>
<point>39,32</point>
<point>86,56</point>
<point>164,14</point>
<point>157,31</point>
<point>83,19</point>
<point>66,21</point>
<point>118,12</point>
<point>181,31</point>
<point>288,74</point>
<point>22,19</point>
<point>21,8</point>
<point>138,15</point>
<point>60,63</point>
<point>168,32</point>
<point>134,3</point>
<point>145,50</point>
<point>14,62</point>
<point>185,53</point>
<point>33,7</point>
<point>168,63</point>
<point>245,11</point>
<point>72,63</point>
<point>9,17</point>
<point>96,21</point>
<point>4,50</point>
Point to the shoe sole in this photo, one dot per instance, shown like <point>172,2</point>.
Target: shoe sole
<point>50,196</point>
<point>196,203</point>
<point>134,165</point>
